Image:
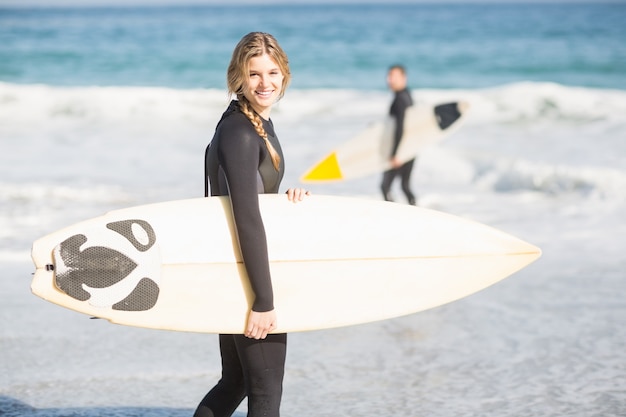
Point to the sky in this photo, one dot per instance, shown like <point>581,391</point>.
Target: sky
<point>257,2</point>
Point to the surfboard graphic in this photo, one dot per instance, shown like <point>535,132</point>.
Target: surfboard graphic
<point>100,272</point>
<point>335,261</point>
<point>369,151</point>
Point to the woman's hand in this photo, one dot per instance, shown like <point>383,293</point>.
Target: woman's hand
<point>297,194</point>
<point>260,324</point>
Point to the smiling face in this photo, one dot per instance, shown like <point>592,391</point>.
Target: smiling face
<point>264,84</point>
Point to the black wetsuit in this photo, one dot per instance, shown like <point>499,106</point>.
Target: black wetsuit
<point>238,164</point>
<point>402,100</point>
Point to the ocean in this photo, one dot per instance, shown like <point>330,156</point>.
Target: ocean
<point>104,108</point>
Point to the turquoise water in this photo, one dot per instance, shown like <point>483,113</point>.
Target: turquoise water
<point>444,46</point>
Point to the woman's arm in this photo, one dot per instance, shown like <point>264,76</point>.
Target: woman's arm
<point>239,156</point>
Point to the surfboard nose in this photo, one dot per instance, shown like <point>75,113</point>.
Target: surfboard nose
<point>326,170</point>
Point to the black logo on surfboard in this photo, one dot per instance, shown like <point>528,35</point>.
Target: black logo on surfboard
<point>447,114</point>
<point>116,267</point>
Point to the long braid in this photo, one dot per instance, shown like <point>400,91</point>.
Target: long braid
<point>258,126</point>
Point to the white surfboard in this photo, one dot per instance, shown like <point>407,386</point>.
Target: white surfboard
<point>369,152</point>
<point>335,261</point>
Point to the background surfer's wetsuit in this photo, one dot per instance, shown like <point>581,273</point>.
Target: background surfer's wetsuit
<point>402,100</point>
<point>238,164</point>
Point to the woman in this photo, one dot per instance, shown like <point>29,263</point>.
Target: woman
<point>245,159</point>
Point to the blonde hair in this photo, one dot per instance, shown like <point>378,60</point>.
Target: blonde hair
<point>252,45</point>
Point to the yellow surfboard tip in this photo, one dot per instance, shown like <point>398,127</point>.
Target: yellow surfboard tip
<point>327,170</point>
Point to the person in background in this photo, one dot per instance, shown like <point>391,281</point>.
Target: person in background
<point>244,159</point>
<point>397,82</point>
